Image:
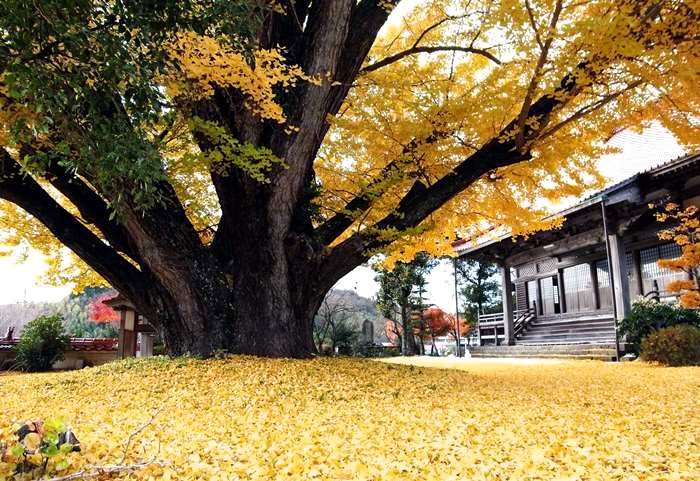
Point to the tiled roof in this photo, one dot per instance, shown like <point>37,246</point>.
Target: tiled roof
<point>76,344</point>
<point>663,168</point>
<point>667,167</point>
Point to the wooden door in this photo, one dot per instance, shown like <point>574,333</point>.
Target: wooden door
<point>550,295</point>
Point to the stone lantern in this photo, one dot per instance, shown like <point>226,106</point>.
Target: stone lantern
<point>134,329</point>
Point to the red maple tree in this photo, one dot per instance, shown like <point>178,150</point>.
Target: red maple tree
<point>435,319</point>
<point>100,312</point>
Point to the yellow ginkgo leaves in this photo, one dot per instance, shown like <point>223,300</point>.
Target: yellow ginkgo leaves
<point>340,419</point>
<point>204,63</point>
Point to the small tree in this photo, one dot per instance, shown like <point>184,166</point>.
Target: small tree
<point>400,291</point>
<point>480,290</point>
<point>43,342</point>
<point>685,231</point>
<point>101,313</point>
<point>438,323</point>
<point>84,317</point>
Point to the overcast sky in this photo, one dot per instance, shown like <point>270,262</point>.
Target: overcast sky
<point>20,282</point>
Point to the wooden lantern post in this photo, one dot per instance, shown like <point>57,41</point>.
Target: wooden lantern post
<point>132,328</point>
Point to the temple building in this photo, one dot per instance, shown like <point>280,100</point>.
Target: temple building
<point>568,286</point>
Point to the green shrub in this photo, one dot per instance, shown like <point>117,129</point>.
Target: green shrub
<point>673,346</point>
<point>648,316</point>
<point>42,343</point>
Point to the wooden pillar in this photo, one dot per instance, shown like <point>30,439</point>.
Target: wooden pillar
<point>507,305</point>
<point>621,296</point>
<point>127,334</point>
<point>120,342</point>
<point>637,286</point>
<point>595,286</point>
<point>560,287</point>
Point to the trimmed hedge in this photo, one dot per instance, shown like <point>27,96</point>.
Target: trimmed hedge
<point>649,316</point>
<point>673,346</point>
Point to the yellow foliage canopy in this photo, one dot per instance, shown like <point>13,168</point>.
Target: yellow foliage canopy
<point>685,231</point>
<point>426,113</point>
<point>439,84</point>
<point>330,419</point>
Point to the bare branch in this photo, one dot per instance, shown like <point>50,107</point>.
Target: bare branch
<point>525,110</point>
<point>438,48</point>
<point>588,109</point>
<point>104,471</point>
<point>138,431</point>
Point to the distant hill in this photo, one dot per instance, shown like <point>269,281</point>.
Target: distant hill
<point>359,304</point>
<point>18,314</point>
<point>362,309</point>
<point>73,309</point>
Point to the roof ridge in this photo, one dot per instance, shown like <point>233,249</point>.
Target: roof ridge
<point>694,156</point>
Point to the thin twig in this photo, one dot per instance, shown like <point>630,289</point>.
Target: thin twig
<point>97,471</point>
<point>137,432</point>
<point>438,48</point>
<point>532,87</point>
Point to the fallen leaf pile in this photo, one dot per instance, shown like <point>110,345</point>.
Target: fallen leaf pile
<point>262,419</point>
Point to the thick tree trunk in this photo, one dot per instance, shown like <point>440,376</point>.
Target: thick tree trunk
<point>265,307</point>
<point>270,318</point>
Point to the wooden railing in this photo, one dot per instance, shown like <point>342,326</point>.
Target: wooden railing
<point>521,319</point>
<point>488,325</point>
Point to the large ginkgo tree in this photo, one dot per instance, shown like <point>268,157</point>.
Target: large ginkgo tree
<point>223,163</point>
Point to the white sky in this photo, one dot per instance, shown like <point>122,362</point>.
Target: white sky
<point>21,281</point>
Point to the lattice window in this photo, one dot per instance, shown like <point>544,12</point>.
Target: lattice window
<point>577,278</point>
<point>531,293</point>
<point>546,265</point>
<point>527,270</point>
<point>546,287</point>
<point>602,273</point>
<point>578,288</point>
<point>649,258</point>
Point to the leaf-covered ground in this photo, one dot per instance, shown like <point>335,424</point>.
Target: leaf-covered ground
<point>246,418</point>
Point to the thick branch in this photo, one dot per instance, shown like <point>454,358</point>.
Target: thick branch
<point>323,45</point>
<point>420,201</point>
<point>93,209</point>
<point>367,19</point>
<point>26,193</point>
<point>438,48</point>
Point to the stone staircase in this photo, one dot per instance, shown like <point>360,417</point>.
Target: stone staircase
<point>595,329</point>
<point>602,352</point>
<point>583,337</point>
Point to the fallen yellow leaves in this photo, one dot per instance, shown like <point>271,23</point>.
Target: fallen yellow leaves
<point>261,419</point>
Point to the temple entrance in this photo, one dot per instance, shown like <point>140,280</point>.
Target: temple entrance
<point>578,286</point>
<point>549,289</point>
